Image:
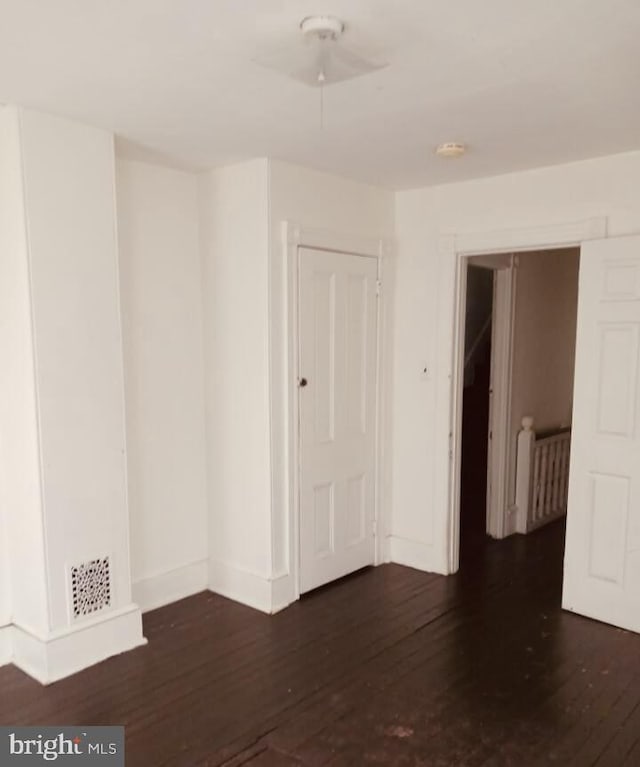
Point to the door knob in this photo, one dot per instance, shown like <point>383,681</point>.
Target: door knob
<point>303,382</point>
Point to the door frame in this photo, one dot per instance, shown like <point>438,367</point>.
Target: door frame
<point>296,237</point>
<point>460,247</point>
<point>498,444</point>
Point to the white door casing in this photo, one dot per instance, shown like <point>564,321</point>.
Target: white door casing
<point>602,552</point>
<point>337,407</point>
<point>453,251</point>
<point>499,447</point>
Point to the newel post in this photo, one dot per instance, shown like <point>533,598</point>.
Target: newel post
<point>524,472</point>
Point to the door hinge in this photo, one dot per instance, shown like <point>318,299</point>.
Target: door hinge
<point>378,287</point>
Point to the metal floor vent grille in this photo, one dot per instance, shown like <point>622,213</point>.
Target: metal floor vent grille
<point>90,587</point>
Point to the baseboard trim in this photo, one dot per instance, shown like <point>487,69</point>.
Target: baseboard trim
<point>240,585</point>
<point>283,592</point>
<point>5,645</point>
<point>160,590</point>
<point>414,554</point>
<point>264,594</point>
<point>73,649</point>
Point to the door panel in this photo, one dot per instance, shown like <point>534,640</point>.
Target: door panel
<point>324,300</point>
<point>337,337</point>
<point>602,556</point>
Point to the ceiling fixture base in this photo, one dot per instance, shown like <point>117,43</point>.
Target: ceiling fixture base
<point>451,149</point>
<point>321,54</point>
<point>322,27</point>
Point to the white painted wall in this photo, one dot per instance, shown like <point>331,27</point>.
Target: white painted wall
<point>20,503</point>
<point>160,275</point>
<point>544,338</point>
<point>70,200</point>
<point>544,344</point>
<point>235,252</point>
<point>244,281</point>
<point>320,201</point>
<point>425,309</point>
<point>5,573</point>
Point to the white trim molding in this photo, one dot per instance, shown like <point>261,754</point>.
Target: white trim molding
<point>62,653</point>
<point>164,588</point>
<point>416,554</point>
<point>5,644</point>
<point>283,592</point>
<point>269,595</point>
<point>500,399</point>
<point>530,238</point>
<point>337,242</point>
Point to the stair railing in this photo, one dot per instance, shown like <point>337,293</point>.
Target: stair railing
<point>542,476</point>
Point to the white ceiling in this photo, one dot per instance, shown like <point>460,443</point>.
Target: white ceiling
<point>523,82</point>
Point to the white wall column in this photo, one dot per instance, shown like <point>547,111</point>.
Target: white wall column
<point>18,432</point>
<point>235,260</point>
<point>62,422</point>
<point>160,274</point>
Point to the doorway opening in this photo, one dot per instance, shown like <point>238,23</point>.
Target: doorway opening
<point>475,407</point>
<point>520,313</point>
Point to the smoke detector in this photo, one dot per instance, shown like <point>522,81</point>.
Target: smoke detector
<point>451,149</point>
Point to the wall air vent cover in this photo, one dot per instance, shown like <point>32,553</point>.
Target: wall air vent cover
<point>90,587</point>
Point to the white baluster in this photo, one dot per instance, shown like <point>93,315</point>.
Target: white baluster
<point>544,461</point>
<point>548,478</point>
<point>564,473</point>
<point>524,473</point>
<point>533,513</point>
<point>555,477</point>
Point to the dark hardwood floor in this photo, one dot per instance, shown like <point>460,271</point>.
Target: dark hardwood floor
<point>388,667</point>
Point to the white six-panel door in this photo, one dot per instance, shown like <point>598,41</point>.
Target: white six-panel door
<point>337,379</point>
<point>602,554</point>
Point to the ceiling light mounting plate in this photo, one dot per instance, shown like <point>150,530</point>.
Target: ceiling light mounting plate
<point>322,27</point>
<point>451,149</point>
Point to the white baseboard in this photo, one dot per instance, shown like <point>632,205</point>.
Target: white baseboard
<point>73,649</point>
<point>420,556</point>
<point>241,586</point>
<point>5,644</point>
<point>282,592</point>
<point>182,582</point>
<point>264,594</point>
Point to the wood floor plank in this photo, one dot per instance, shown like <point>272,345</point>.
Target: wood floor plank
<point>390,666</point>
